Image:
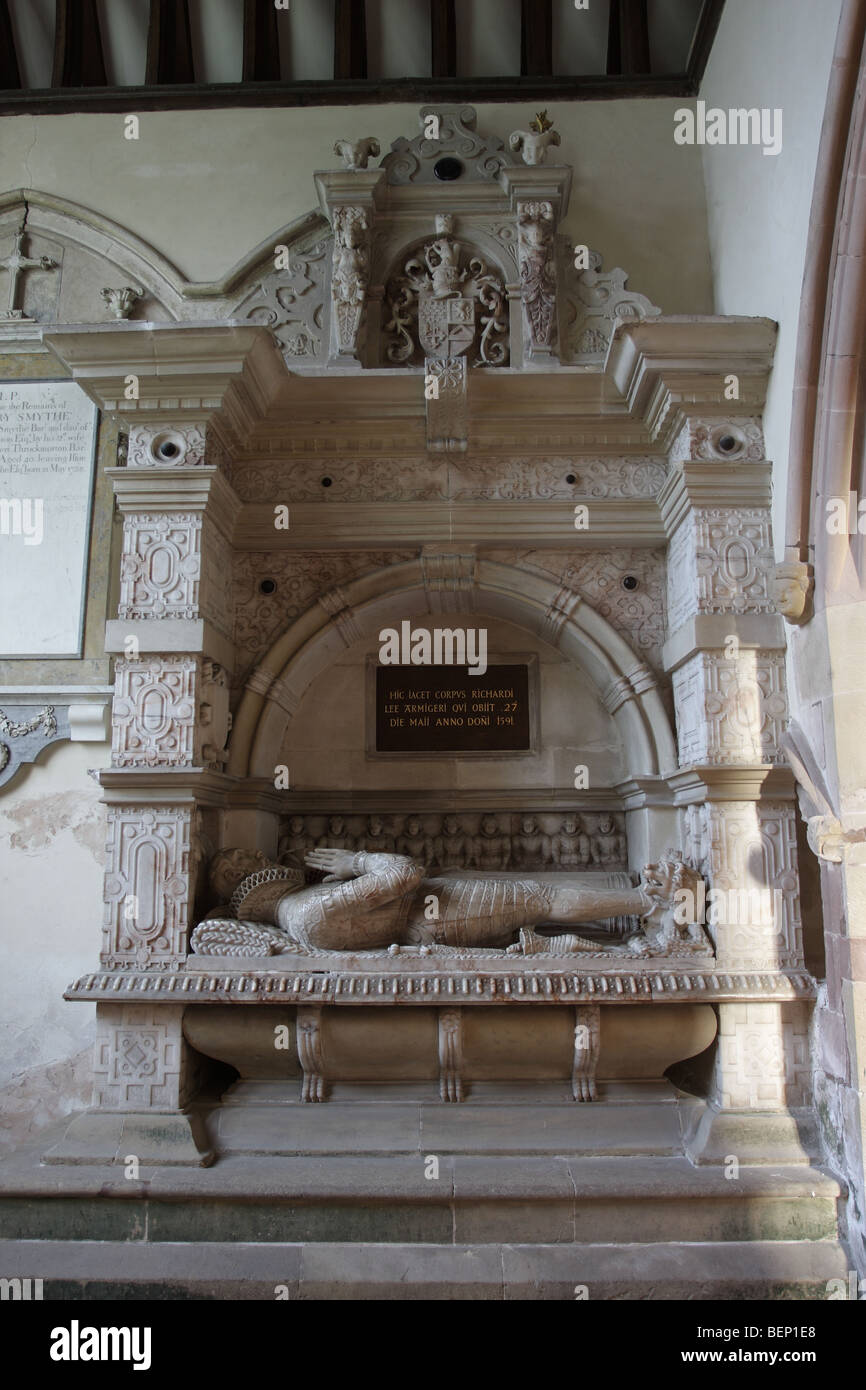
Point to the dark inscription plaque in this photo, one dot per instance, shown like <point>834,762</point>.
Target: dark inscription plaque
<point>444,709</point>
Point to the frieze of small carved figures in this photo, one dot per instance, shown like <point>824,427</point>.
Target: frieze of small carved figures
<point>571,842</point>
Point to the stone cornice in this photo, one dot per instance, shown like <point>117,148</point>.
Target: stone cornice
<point>202,370</point>
<point>394,981</point>
<point>732,782</point>
<point>179,489</point>
<point>691,485</point>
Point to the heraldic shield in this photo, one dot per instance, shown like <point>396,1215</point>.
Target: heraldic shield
<point>446,327</point>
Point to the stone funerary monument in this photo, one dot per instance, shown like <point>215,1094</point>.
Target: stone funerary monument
<point>359,909</point>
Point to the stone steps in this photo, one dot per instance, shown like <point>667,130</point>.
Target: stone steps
<point>475,1199</point>
<point>730,1270</point>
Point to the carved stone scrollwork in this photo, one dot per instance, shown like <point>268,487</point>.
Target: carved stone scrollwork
<point>587,1045</point>
<point>351,275</point>
<point>593,302</point>
<point>309,1027</point>
<point>451,1054</point>
<point>536,244</point>
<point>25,733</point>
<point>290,303</point>
<point>445,130</point>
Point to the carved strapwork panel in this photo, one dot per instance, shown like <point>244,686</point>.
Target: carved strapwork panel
<point>169,713</point>
<point>737,439</point>
<point>148,881</point>
<point>731,709</point>
<point>720,561</point>
<point>142,1062</point>
<point>447,404</point>
<point>310,1054</point>
<point>753,906</point>
<point>587,1047</point>
<point>451,1054</point>
<point>161,566</point>
<point>763,1058</point>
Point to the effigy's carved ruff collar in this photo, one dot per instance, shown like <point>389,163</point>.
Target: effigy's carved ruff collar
<point>257,895</point>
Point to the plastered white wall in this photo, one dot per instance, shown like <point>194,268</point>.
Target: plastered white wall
<point>776,53</point>
<point>52,851</point>
<point>206,187</point>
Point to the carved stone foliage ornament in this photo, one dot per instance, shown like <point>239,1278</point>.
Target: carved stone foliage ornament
<point>446,302</point>
<point>121,301</point>
<point>24,731</point>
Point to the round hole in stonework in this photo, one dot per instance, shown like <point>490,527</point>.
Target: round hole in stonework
<point>570,478</point>
<point>168,449</point>
<point>268,586</point>
<point>629,583</point>
<point>447,169</point>
<point>728,443</point>
<point>326,482</point>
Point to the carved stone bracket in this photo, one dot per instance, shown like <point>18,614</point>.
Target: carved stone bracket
<point>351,276</point>
<point>587,1045</point>
<point>309,1026</point>
<point>447,404</point>
<point>451,1054</point>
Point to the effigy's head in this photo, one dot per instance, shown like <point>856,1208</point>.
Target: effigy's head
<point>230,867</point>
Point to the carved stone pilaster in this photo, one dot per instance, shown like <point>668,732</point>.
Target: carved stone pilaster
<point>148,886</point>
<point>763,1056</point>
<point>587,1045</point>
<point>351,276</point>
<point>451,1054</point>
<point>142,1061</point>
<point>169,713</point>
<point>750,852</point>
<point>536,246</point>
<point>720,561</point>
<point>731,709</point>
<point>310,1055</point>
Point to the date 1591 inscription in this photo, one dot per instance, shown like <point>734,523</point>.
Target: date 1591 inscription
<point>447,710</point>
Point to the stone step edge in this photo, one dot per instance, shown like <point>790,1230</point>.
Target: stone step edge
<point>269,1271</point>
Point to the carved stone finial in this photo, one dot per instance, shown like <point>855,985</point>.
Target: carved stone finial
<point>791,587</point>
<point>533,143</point>
<point>121,300</point>
<point>356,153</point>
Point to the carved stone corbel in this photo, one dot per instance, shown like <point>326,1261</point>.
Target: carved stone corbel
<point>451,1054</point>
<point>587,1036</point>
<point>309,1031</point>
<point>791,586</point>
